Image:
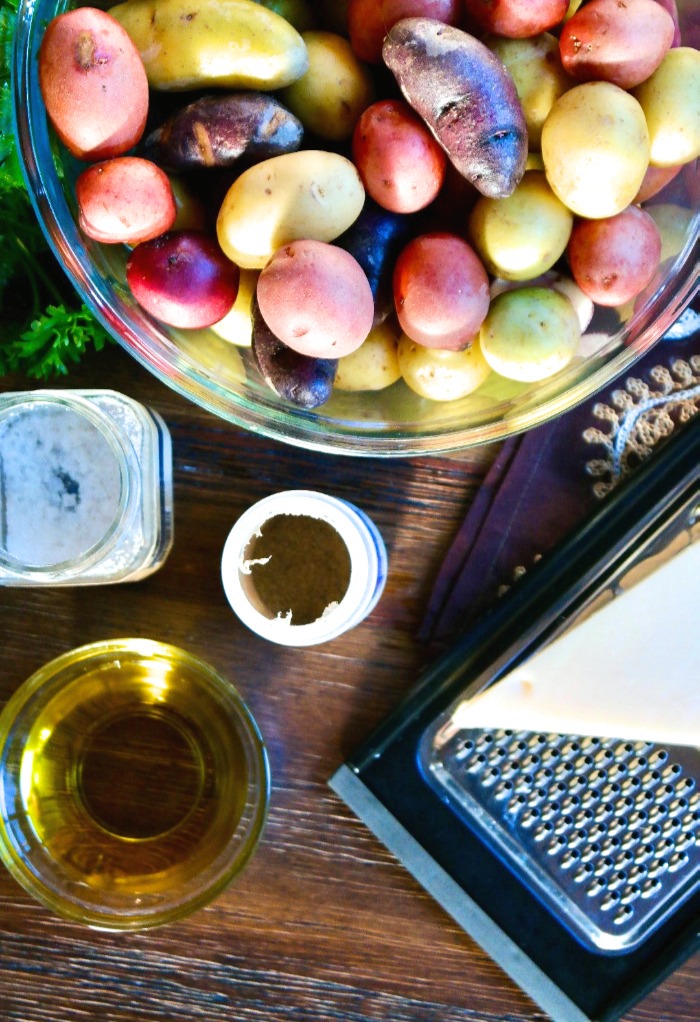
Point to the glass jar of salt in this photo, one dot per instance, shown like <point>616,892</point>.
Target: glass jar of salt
<point>85,488</point>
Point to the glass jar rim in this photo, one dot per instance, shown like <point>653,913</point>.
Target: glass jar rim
<point>124,455</point>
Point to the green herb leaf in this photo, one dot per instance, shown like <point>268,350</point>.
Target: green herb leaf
<point>54,340</point>
<point>10,174</point>
<point>42,330</point>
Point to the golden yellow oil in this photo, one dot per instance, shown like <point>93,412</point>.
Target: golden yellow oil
<point>132,778</point>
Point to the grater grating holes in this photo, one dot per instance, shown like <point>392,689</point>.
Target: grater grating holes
<point>615,822</point>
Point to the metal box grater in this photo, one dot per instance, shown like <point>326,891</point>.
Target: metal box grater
<point>607,831</point>
<point>573,861</point>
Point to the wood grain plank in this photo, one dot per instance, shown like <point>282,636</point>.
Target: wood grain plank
<point>324,925</point>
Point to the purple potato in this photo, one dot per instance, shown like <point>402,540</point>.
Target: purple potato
<point>300,379</point>
<point>466,97</point>
<point>375,240</point>
<point>217,131</point>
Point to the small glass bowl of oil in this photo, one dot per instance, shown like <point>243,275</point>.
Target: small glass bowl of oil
<point>134,784</point>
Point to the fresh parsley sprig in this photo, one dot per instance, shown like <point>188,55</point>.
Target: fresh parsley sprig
<point>43,326</point>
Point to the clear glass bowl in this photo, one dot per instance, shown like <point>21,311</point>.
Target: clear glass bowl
<point>224,380</point>
<point>134,784</point>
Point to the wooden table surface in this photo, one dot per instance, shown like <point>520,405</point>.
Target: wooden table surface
<point>324,924</point>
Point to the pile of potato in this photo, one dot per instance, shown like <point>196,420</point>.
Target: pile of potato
<point>427,189</point>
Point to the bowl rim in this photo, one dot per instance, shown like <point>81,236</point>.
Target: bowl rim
<point>287,423</point>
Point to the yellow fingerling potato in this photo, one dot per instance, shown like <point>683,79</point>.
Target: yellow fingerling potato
<point>190,44</point>
<point>670,99</point>
<point>374,365</point>
<point>308,194</point>
<point>336,89</point>
<point>237,324</point>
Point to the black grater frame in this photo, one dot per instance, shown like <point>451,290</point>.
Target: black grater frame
<point>383,782</point>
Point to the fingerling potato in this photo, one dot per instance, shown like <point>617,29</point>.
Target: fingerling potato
<point>93,84</point>
<point>309,194</point>
<point>195,44</point>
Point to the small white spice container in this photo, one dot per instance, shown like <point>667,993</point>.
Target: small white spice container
<point>85,488</point>
<point>368,567</point>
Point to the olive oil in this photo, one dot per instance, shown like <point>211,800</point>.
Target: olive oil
<point>128,784</point>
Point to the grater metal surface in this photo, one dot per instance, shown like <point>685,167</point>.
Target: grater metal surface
<point>605,831</point>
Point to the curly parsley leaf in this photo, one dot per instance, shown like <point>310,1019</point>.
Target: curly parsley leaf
<point>43,327</point>
<point>54,340</point>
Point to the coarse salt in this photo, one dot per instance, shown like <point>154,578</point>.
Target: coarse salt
<point>60,485</point>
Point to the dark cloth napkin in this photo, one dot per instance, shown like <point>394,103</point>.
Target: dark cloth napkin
<point>544,482</point>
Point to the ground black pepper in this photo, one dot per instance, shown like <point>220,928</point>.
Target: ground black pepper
<point>308,566</point>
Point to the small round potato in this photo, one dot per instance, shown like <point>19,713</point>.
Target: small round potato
<point>524,235</point>
<point>308,194</point>
<point>614,259</point>
<point>622,43</point>
<point>595,147</point>
<point>400,163</point>
<point>583,305</point>
<point>374,365</point>
<point>125,201</point>
<point>530,333</point>
<point>93,83</point>
<point>540,79</point>
<point>441,291</point>
<point>316,299</point>
<point>442,375</point>
<point>370,20</point>
<point>517,19</point>
<point>670,99</point>
<point>329,98</point>
<point>183,279</point>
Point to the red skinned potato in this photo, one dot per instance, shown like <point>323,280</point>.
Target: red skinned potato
<point>655,179</point>
<point>370,20</point>
<point>672,8</point>
<point>517,19</point>
<point>622,43</point>
<point>441,291</point>
<point>613,260</point>
<point>126,200</point>
<point>316,299</point>
<point>93,84</point>
<point>183,279</point>
<point>401,165</point>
